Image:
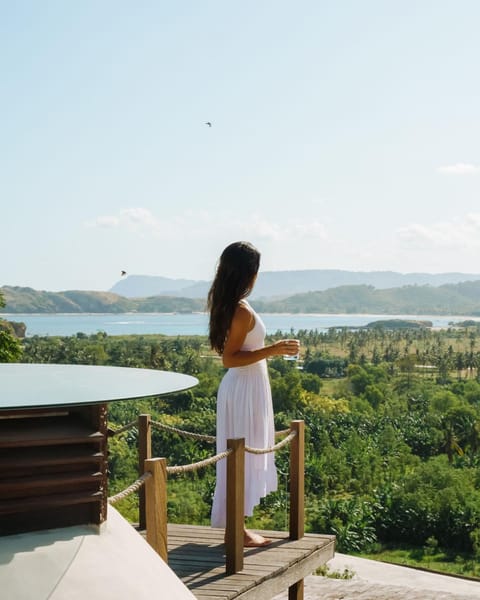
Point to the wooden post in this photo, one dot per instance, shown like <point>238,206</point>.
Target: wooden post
<point>144,453</point>
<point>156,505</point>
<point>295,591</point>
<point>235,506</point>
<point>297,490</point>
<point>297,481</point>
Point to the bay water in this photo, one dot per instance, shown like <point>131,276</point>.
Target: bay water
<point>197,323</point>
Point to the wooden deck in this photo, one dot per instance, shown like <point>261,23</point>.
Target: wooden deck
<point>197,555</point>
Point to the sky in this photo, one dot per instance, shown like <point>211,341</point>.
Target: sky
<point>345,135</point>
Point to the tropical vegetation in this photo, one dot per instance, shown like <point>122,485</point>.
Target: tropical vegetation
<point>392,420</point>
<point>10,348</point>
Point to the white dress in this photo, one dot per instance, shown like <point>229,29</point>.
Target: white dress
<point>244,410</point>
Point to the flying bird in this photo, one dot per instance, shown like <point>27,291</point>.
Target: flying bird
<point>208,123</point>
<point>123,273</point>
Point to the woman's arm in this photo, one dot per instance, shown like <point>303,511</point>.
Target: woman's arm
<point>242,322</point>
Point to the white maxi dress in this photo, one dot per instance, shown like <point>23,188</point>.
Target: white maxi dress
<point>244,410</point>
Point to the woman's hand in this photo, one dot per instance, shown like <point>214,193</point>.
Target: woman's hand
<point>288,347</point>
<point>233,355</point>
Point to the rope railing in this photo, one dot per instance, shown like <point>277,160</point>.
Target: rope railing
<point>173,470</point>
<point>274,448</point>
<point>199,436</point>
<point>198,465</point>
<point>152,485</point>
<point>196,436</point>
<point>134,487</point>
<point>176,469</point>
<point>190,434</point>
<point>114,432</point>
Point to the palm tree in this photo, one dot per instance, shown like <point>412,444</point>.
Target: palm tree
<point>450,440</point>
<point>459,364</point>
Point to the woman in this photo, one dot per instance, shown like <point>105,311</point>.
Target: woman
<point>244,401</point>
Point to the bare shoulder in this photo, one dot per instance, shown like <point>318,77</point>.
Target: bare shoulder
<point>243,316</point>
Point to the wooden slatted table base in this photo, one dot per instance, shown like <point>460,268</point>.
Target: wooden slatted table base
<point>197,555</point>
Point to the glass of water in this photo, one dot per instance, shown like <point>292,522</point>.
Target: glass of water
<point>292,356</point>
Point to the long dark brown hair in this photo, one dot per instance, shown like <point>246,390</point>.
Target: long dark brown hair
<point>238,265</point>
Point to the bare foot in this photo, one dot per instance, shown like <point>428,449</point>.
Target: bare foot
<point>254,540</point>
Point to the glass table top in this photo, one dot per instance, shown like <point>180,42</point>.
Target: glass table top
<point>47,385</point>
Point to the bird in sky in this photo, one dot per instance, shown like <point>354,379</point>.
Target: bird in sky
<point>208,123</point>
<point>123,273</point>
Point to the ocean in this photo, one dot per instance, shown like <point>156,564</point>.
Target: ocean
<point>196,323</point>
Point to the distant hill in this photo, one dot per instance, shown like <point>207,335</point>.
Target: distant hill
<point>455,299</point>
<point>279,284</point>
<point>142,286</point>
<point>28,300</point>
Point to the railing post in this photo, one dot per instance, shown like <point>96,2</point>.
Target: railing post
<point>235,506</point>
<point>297,491</point>
<point>297,481</point>
<point>295,591</point>
<point>156,505</point>
<point>144,453</point>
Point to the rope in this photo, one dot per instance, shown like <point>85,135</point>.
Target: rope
<point>195,436</point>
<point>198,465</point>
<point>136,485</point>
<point>281,444</point>
<point>122,429</point>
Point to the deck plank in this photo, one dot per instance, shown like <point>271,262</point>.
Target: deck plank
<point>197,556</point>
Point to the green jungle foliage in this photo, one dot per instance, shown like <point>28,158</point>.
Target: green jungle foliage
<point>10,348</point>
<point>392,425</point>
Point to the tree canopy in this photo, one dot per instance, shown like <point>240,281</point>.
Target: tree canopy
<point>10,347</point>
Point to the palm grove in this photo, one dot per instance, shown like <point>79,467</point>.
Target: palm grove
<point>392,419</point>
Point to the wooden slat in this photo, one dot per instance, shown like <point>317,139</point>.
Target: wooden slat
<point>33,458</point>
<point>46,432</point>
<point>52,458</point>
<point>25,413</point>
<point>43,502</point>
<point>197,556</point>
<point>48,484</point>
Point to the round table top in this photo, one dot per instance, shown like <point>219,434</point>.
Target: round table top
<point>46,385</point>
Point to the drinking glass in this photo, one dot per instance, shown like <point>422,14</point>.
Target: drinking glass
<point>292,356</point>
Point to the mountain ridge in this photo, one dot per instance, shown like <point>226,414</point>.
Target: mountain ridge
<point>448,299</point>
<point>278,284</point>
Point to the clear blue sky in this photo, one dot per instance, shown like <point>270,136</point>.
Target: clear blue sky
<point>344,135</point>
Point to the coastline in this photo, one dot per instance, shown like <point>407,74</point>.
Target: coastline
<point>196,323</point>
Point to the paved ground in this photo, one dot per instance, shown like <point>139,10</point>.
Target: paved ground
<point>79,563</point>
<point>378,581</point>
